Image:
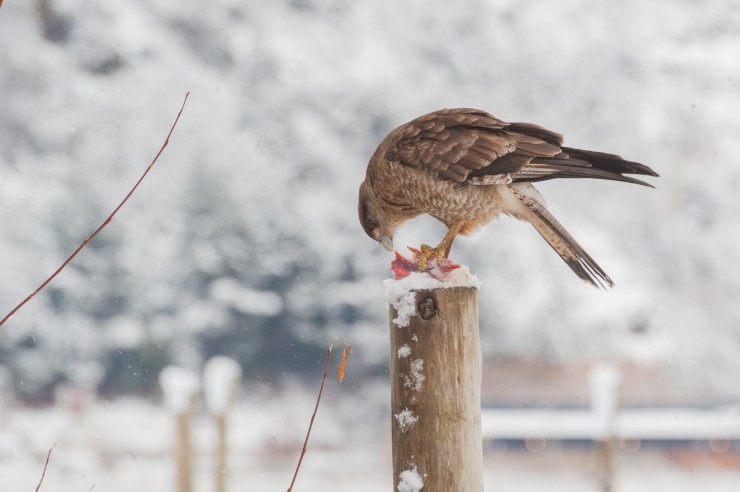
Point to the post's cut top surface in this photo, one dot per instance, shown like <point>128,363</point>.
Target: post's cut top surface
<point>400,293</point>
<point>461,277</point>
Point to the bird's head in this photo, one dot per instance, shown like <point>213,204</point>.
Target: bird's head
<point>373,217</point>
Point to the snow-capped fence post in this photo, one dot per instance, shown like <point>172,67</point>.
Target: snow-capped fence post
<point>221,379</point>
<point>435,385</point>
<point>180,388</point>
<point>605,381</point>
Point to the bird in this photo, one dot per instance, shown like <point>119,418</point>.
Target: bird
<point>465,167</point>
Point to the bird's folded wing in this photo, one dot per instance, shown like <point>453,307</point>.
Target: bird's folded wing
<point>466,145</point>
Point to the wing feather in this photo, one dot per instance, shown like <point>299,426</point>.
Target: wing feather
<point>464,145</point>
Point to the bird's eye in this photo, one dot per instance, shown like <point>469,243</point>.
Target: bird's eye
<point>369,223</point>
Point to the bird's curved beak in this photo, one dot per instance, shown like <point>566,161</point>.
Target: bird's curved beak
<point>386,242</point>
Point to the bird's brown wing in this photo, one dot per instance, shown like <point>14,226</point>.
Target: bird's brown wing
<point>467,145</point>
<point>451,144</point>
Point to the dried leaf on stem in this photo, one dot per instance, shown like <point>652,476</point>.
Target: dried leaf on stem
<point>340,374</point>
<point>343,364</point>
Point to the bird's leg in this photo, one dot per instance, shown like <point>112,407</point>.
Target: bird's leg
<point>443,248</point>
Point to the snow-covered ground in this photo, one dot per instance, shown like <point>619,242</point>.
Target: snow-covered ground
<point>126,445</point>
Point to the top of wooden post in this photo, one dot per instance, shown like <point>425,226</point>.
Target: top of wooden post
<point>180,387</point>
<point>400,293</point>
<point>221,377</point>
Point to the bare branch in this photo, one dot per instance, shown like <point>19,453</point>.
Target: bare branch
<point>43,474</point>
<point>347,350</point>
<point>105,223</point>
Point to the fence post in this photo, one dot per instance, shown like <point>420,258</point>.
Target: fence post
<point>605,381</point>
<point>221,379</point>
<point>180,388</point>
<point>435,389</point>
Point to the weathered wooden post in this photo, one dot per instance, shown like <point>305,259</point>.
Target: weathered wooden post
<point>180,388</point>
<point>435,384</point>
<point>605,381</point>
<point>221,378</point>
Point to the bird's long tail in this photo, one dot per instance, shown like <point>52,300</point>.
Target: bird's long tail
<point>564,245</point>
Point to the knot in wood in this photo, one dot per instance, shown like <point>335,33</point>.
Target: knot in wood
<point>427,308</point>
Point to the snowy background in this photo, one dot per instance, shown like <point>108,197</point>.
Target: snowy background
<point>244,239</point>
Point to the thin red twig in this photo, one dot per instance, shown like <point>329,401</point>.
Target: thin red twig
<point>316,409</point>
<point>43,473</point>
<point>105,223</point>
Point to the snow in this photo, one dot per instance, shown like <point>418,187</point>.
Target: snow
<point>604,381</point>
<point>244,239</point>
<point>249,216</point>
<point>401,293</point>
<point>404,302</point>
<point>410,481</point>
<point>179,387</point>
<point>251,301</point>
<point>221,377</point>
<point>125,445</point>
<point>460,277</point>
<point>406,419</point>
<point>124,333</point>
<point>404,351</point>
<point>416,375</point>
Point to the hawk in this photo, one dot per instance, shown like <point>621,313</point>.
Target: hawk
<point>465,167</point>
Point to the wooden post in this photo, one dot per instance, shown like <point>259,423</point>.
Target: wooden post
<point>221,384</point>
<point>219,470</point>
<point>435,385</point>
<point>180,388</point>
<point>605,381</point>
<point>184,449</point>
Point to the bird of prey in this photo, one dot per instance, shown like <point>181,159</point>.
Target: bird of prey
<point>466,167</point>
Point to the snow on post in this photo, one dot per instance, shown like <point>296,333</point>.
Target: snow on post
<point>221,379</point>
<point>180,388</point>
<point>435,383</point>
<point>410,481</point>
<point>605,381</point>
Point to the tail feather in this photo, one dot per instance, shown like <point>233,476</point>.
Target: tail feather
<point>609,162</point>
<point>564,245</point>
<point>577,163</point>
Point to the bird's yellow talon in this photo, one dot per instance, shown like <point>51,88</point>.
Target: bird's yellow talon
<point>427,252</point>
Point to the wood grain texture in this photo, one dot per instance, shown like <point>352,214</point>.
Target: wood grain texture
<point>435,385</point>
